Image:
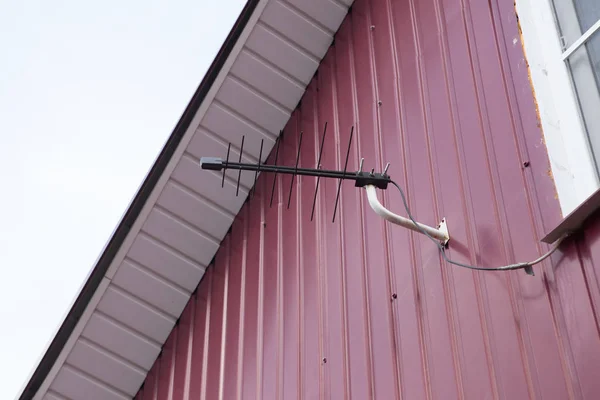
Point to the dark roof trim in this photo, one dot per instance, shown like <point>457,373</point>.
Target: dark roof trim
<point>99,271</point>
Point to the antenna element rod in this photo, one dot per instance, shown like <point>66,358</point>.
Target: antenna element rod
<point>259,160</point>
<point>296,168</point>
<point>279,139</point>
<point>237,189</point>
<point>337,197</point>
<point>312,213</point>
<point>387,166</point>
<point>226,162</point>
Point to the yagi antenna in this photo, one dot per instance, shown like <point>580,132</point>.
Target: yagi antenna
<point>369,180</point>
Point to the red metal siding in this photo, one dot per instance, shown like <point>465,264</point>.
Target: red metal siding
<point>297,309</point>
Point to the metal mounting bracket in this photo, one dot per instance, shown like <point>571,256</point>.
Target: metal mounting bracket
<point>440,233</point>
<point>443,227</point>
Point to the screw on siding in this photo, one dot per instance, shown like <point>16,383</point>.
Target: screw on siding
<point>526,164</point>
<point>394,296</point>
<point>324,360</point>
<point>372,27</point>
<point>379,103</point>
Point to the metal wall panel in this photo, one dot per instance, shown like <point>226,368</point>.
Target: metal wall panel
<point>360,309</point>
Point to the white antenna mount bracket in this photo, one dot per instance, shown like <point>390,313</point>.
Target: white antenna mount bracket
<point>440,233</point>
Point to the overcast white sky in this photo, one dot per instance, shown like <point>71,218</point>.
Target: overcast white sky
<point>89,93</point>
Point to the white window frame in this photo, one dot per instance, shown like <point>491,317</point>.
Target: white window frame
<point>565,136</point>
<point>582,39</point>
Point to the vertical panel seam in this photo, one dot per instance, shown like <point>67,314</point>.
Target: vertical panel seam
<point>190,349</point>
<point>279,295</point>
<point>343,300</point>
<point>321,290</point>
<point>173,361</point>
<point>206,333</point>
<point>447,273</point>
<point>156,380</point>
<point>226,247</point>
<point>419,283</point>
<point>558,322</point>
<point>384,227</point>
<point>582,263</point>
<point>300,275</point>
<point>240,356</point>
<point>399,115</point>
<point>478,278</point>
<point>260,306</point>
<point>364,263</point>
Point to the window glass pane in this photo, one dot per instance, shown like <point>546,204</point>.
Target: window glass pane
<point>584,65</point>
<point>593,49</point>
<point>575,17</point>
<point>588,12</point>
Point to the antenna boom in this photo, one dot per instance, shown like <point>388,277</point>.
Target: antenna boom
<point>361,179</point>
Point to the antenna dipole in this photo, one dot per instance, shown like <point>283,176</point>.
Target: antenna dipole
<point>226,162</point>
<point>279,139</point>
<point>295,169</point>
<point>237,189</point>
<point>256,172</point>
<point>337,197</point>
<point>312,213</point>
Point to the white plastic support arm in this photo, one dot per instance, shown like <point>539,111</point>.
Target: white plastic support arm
<point>441,233</point>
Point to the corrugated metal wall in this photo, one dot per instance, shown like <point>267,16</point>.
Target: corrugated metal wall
<point>294,309</point>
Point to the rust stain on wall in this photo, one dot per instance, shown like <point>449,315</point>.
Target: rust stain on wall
<point>534,98</point>
<point>522,42</point>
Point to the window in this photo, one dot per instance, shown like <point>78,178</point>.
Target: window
<point>561,39</point>
<point>579,26</point>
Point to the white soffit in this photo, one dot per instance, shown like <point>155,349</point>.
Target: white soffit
<point>163,258</point>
